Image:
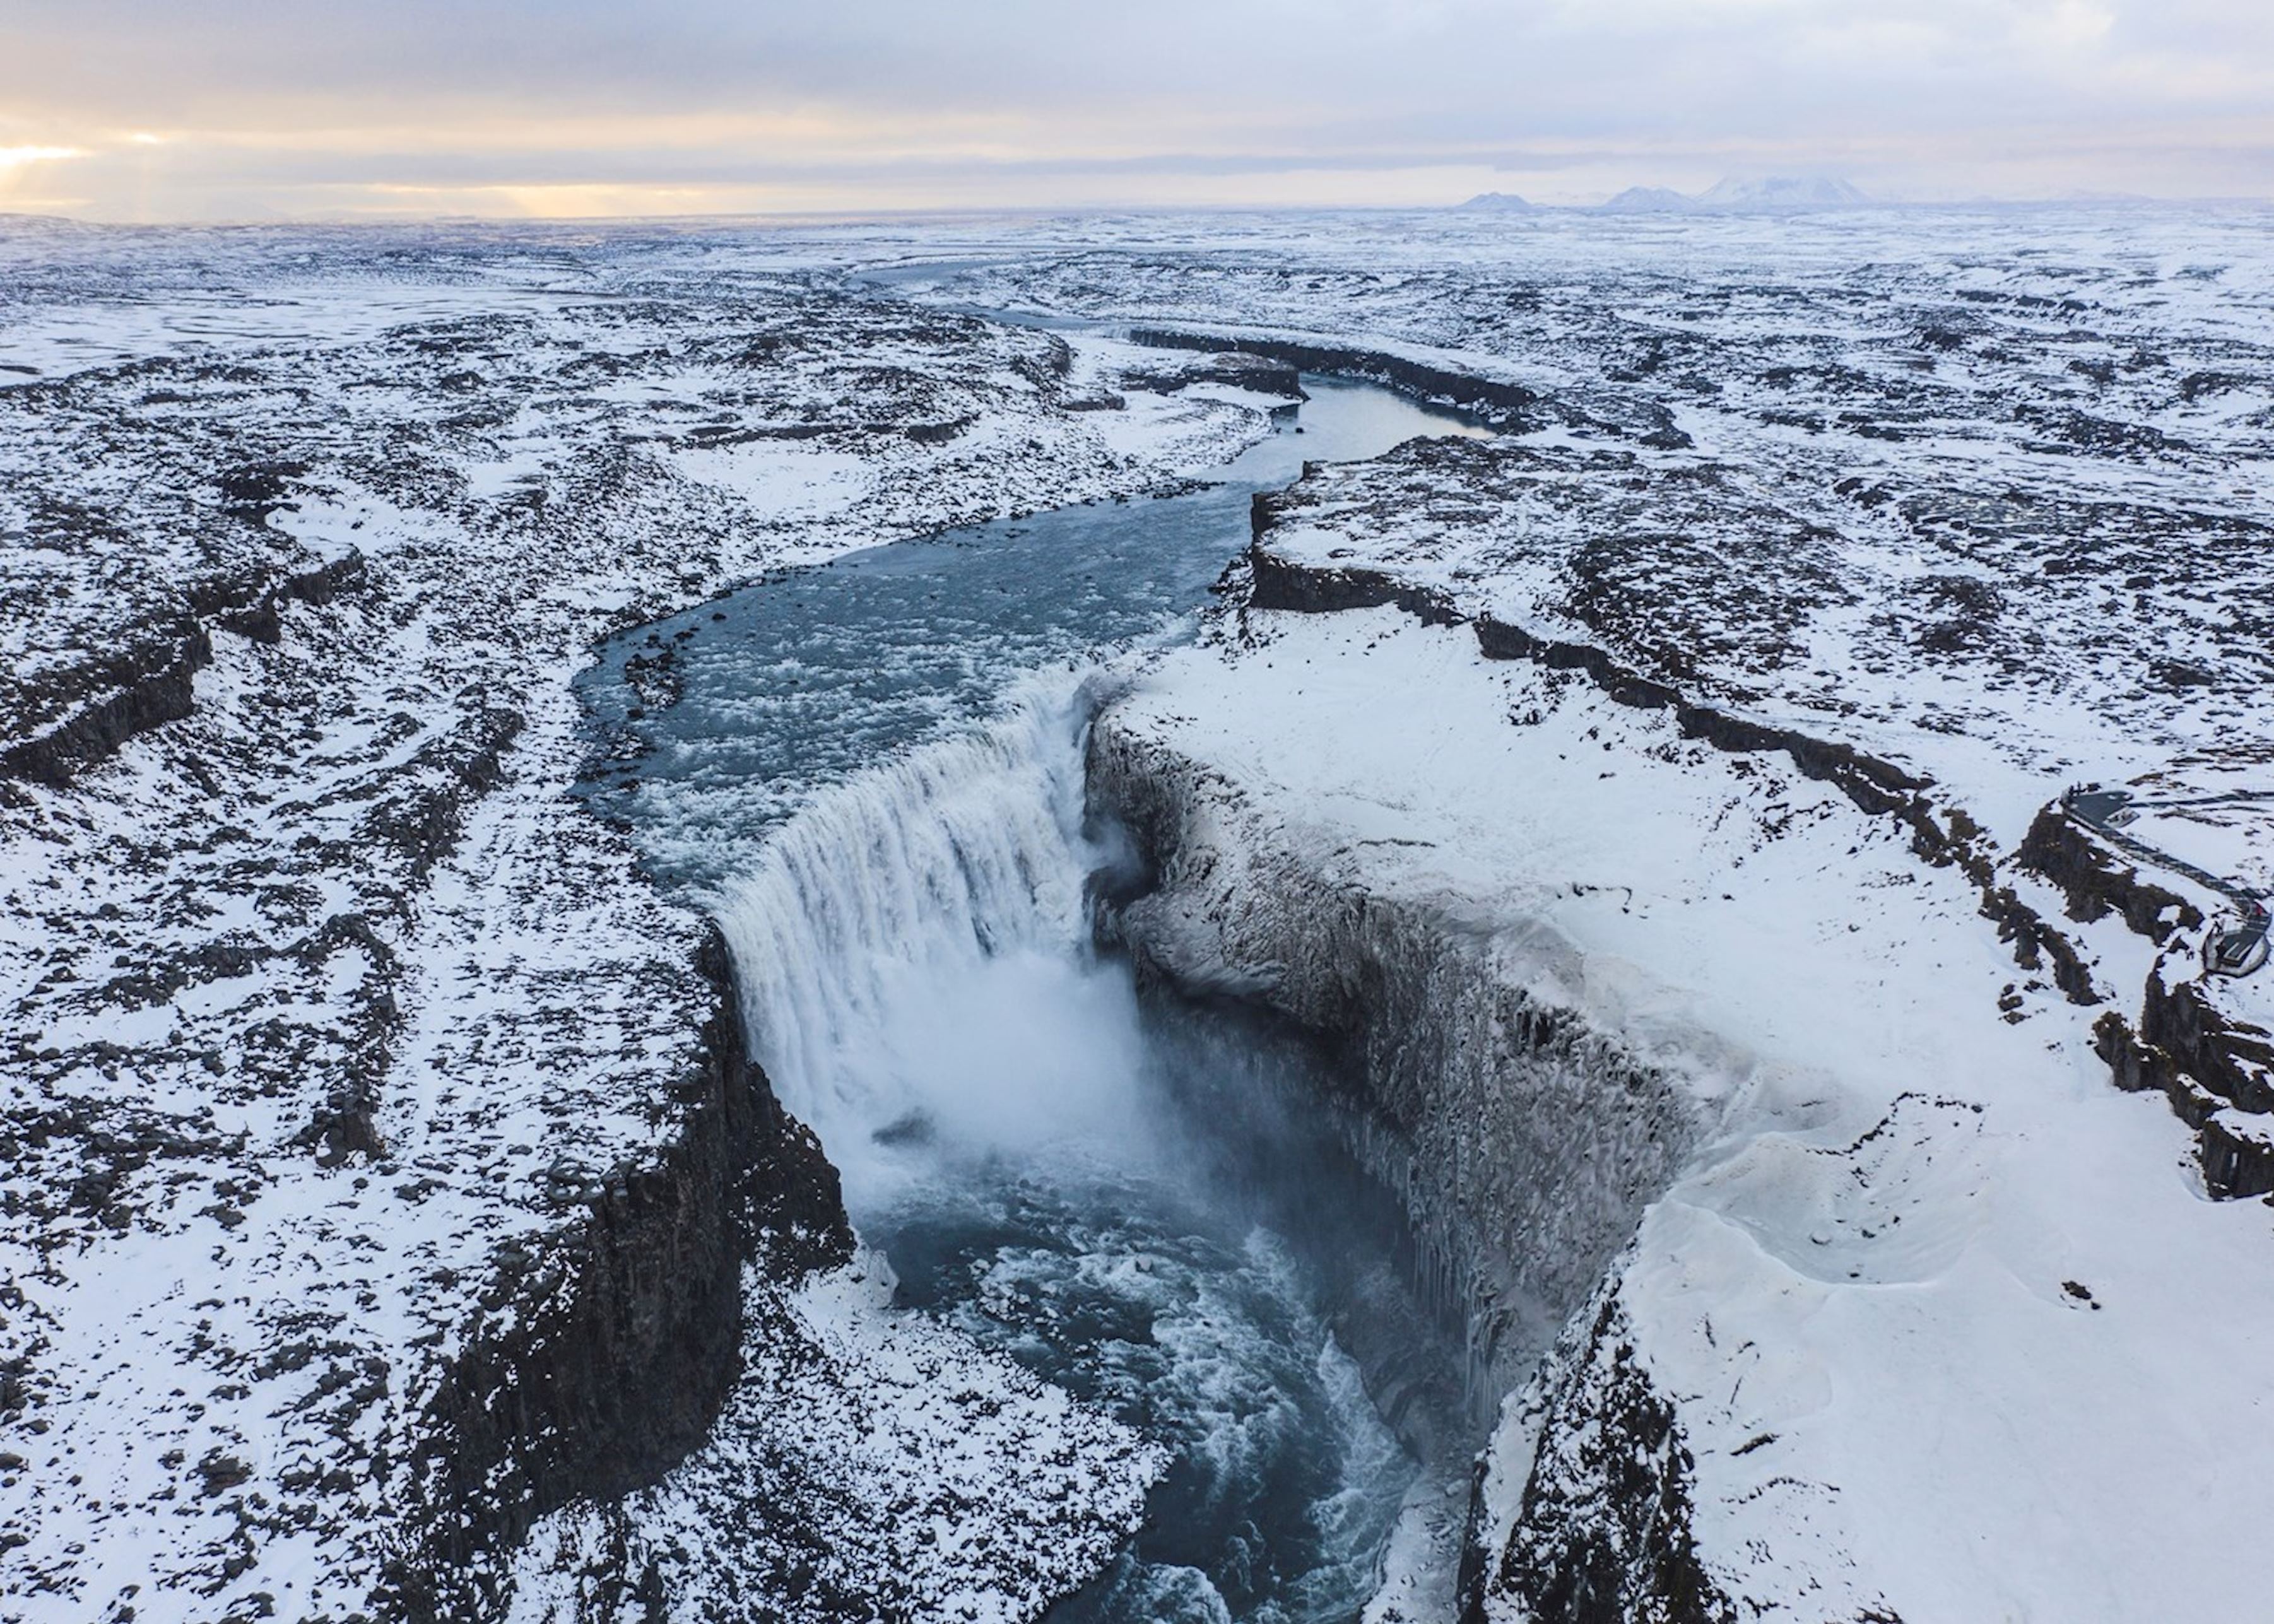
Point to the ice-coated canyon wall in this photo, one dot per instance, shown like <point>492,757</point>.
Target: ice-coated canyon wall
<point>1523,1142</point>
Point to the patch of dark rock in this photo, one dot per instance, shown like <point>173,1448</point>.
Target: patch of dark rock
<point>421,812</point>
<point>2202,1061</point>
<point>218,1472</point>
<point>656,678</point>
<point>1603,1535</point>
<point>252,491</point>
<point>2196,385</point>
<point>622,1338</point>
<point>1278,584</point>
<point>158,982</point>
<point>938,433</point>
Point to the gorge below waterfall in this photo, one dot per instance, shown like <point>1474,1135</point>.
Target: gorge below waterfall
<point>871,774</point>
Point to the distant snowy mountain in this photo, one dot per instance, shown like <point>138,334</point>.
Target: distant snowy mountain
<point>1649,201</point>
<point>1499,203</point>
<point>1774,194</point>
<point>1784,191</point>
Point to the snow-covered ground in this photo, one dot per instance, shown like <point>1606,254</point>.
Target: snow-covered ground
<point>1944,1321</point>
<point>332,1019</point>
<point>337,1030</point>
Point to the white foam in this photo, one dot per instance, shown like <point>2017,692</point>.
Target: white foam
<point>913,951</point>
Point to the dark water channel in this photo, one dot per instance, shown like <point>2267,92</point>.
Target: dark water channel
<point>871,771</point>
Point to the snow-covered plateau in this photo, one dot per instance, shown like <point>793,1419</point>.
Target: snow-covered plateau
<point>1650,811</point>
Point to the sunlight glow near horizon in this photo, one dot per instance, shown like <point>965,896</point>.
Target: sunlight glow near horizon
<point>11,157</point>
<point>132,110</point>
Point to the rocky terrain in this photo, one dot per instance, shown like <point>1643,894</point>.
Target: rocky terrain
<point>1656,808</point>
<point>1668,827</point>
<point>382,1159</point>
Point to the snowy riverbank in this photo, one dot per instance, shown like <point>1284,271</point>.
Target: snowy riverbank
<point>377,1143</point>
<point>1906,1286</point>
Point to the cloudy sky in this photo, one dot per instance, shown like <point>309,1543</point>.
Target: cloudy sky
<point>256,109</point>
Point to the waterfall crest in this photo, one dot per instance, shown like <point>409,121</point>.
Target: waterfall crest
<point>912,947</point>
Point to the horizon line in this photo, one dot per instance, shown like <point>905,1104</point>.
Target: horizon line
<point>1869,205</point>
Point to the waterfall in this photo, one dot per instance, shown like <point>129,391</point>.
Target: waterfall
<point>913,949</point>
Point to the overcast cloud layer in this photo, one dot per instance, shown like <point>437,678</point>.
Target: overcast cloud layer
<point>250,109</point>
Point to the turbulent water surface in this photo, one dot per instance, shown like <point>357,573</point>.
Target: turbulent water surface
<point>872,771</point>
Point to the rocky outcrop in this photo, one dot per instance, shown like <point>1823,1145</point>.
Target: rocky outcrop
<point>420,816</point>
<point>1518,1104</point>
<point>2215,1069</point>
<point>1602,1530</point>
<point>602,1359</point>
<point>1522,1143</point>
<point>1942,836</point>
<point>2097,884</point>
<point>100,705</point>
<point>80,711</point>
<point>1508,406</point>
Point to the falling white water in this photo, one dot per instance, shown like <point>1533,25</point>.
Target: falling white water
<point>913,949</point>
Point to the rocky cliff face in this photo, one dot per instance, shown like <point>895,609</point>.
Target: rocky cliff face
<point>1602,1529</point>
<point>632,1339</point>
<point>1523,1143</point>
